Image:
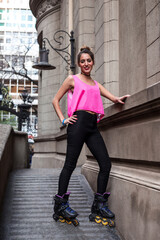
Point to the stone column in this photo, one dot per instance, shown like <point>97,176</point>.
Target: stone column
<point>48,22</point>
<point>107,45</point>
<point>153,41</point>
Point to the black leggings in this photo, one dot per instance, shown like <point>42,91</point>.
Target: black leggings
<point>85,130</point>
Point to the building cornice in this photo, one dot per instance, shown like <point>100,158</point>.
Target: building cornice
<point>40,8</point>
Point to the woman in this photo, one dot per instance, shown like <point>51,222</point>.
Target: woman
<point>85,109</point>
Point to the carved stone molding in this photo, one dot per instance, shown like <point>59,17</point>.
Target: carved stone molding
<point>40,8</point>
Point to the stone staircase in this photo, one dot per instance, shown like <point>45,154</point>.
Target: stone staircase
<point>27,208</point>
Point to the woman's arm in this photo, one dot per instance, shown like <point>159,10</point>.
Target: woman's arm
<point>67,84</point>
<point>105,93</point>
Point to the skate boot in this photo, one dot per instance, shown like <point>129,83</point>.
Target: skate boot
<point>62,210</point>
<point>100,212</point>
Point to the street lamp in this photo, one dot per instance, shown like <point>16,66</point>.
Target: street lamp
<point>1,95</point>
<point>69,58</point>
<point>24,109</point>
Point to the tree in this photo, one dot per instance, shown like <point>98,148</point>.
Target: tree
<point>16,63</point>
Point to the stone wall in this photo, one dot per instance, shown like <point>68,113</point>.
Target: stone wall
<point>14,154</point>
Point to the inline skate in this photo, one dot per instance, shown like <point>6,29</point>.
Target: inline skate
<point>100,212</point>
<point>63,212</point>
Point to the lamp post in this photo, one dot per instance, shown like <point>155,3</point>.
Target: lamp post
<point>68,58</point>
<point>23,113</point>
<point>1,95</point>
<point>24,109</point>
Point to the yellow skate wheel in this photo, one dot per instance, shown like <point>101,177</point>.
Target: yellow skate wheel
<point>75,222</point>
<point>111,223</point>
<point>61,219</point>
<point>98,219</point>
<point>68,221</point>
<point>105,222</point>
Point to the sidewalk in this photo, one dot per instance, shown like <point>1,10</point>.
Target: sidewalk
<point>27,210</point>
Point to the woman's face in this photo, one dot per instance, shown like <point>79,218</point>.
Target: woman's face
<point>86,63</point>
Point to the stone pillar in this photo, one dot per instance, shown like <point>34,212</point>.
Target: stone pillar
<point>132,46</point>
<point>153,41</point>
<point>83,18</point>
<point>106,46</point>
<point>48,22</point>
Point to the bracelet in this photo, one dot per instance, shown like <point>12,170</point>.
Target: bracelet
<point>63,122</point>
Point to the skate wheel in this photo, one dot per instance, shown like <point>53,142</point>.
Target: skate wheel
<point>68,222</point>
<point>111,223</point>
<point>55,217</point>
<point>98,219</point>
<point>105,222</point>
<point>75,222</point>
<point>91,218</point>
<point>61,219</point>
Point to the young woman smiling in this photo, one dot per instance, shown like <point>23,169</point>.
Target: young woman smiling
<point>85,109</point>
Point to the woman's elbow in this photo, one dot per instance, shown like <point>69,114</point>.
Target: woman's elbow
<point>55,101</point>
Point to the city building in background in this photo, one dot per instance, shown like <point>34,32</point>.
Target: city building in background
<point>18,51</point>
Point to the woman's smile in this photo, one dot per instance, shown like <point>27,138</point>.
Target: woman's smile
<point>86,63</point>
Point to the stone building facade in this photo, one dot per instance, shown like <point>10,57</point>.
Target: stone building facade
<point>125,37</point>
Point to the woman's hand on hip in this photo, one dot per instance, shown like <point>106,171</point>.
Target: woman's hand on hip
<point>70,120</point>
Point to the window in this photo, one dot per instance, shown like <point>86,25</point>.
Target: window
<point>1,40</point>
<point>30,25</point>
<point>23,25</point>
<point>1,24</point>
<point>8,40</point>
<point>29,17</point>
<point>23,17</point>
<point>15,34</point>
<point>8,24</point>
<point>22,33</point>
<point>29,34</point>
<point>1,33</point>
<point>8,33</point>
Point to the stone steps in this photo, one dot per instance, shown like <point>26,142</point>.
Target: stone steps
<point>27,209</point>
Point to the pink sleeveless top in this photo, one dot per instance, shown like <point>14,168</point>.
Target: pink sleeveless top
<point>85,97</point>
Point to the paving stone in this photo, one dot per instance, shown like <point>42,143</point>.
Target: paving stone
<point>27,209</point>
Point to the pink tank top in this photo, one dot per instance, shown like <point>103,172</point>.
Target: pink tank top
<point>85,97</point>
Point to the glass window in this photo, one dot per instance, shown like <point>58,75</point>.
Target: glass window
<point>8,58</point>
<point>1,24</point>
<point>8,33</point>
<point>29,34</point>
<point>23,17</point>
<point>8,40</point>
<point>29,17</point>
<point>29,40</point>
<point>22,33</point>
<point>1,33</point>
<point>23,25</point>
<point>9,24</point>
<point>30,25</point>
<point>1,47</point>
<point>15,34</point>
<point>1,40</point>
